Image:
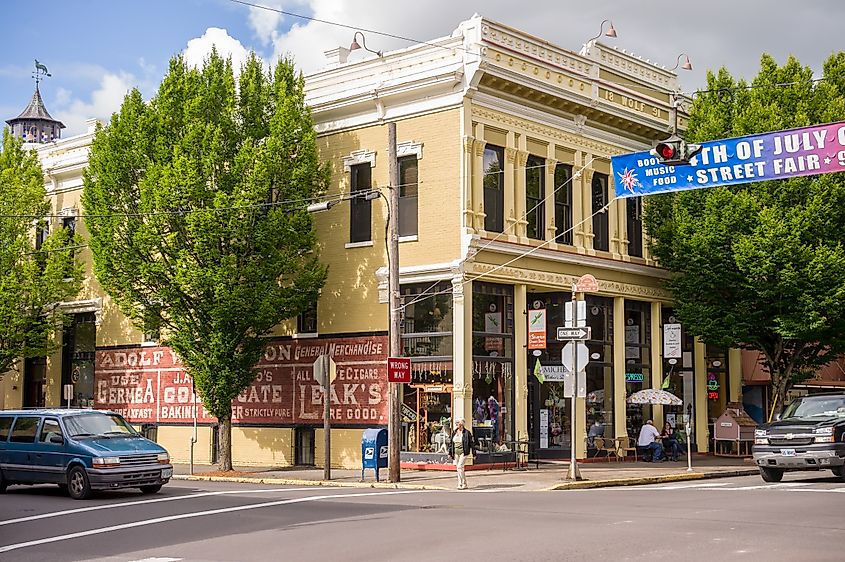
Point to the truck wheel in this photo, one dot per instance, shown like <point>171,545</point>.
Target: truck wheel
<point>839,472</point>
<point>151,489</point>
<point>78,485</point>
<point>771,474</point>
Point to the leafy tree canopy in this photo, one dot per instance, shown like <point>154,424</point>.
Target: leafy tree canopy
<point>32,280</point>
<point>196,207</point>
<point>761,266</point>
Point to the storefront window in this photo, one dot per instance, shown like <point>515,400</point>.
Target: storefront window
<point>637,361</point>
<point>426,325</point>
<point>80,340</point>
<point>492,372</point>
<point>549,421</point>
<point>678,375</point>
<point>426,320</point>
<point>600,369</point>
<point>716,359</point>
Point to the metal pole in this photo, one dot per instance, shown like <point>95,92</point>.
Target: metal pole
<point>573,473</point>
<point>394,426</point>
<point>689,453</point>
<point>327,430</point>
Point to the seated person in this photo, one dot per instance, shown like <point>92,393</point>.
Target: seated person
<point>670,441</point>
<point>647,441</point>
<point>596,430</point>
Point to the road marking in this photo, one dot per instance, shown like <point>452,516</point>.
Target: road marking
<point>142,502</point>
<point>157,520</point>
<point>158,560</point>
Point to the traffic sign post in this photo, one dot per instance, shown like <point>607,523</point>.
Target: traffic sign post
<point>399,369</point>
<point>325,372</point>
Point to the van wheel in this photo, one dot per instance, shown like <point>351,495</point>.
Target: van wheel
<point>151,489</point>
<point>838,471</point>
<point>771,474</point>
<point>3,483</point>
<point>78,485</point>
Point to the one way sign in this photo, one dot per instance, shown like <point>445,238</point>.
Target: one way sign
<point>579,333</point>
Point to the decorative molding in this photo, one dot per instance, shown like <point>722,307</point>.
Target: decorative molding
<point>356,157</point>
<point>81,306</point>
<point>409,148</point>
<point>563,137</point>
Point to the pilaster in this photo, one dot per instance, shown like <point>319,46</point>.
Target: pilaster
<point>520,406</point>
<point>478,184</point>
<point>656,359</point>
<point>587,211</point>
<point>511,216</point>
<point>519,192</point>
<point>735,375</point>
<point>549,201</point>
<point>702,434</point>
<point>470,176</point>
<point>578,234</point>
<point>462,349</point>
<point>620,424</point>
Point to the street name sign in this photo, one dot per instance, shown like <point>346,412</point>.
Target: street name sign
<point>578,333</point>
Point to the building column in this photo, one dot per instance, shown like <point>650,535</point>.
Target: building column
<point>620,422</point>
<point>735,375</point>
<point>702,435</point>
<point>472,174</point>
<point>510,210</point>
<point>549,201</point>
<point>519,192</point>
<point>477,205</point>
<point>615,221</point>
<point>578,235</point>
<point>462,349</point>
<point>587,211</point>
<point>656,361</point>
<point>520,358</point>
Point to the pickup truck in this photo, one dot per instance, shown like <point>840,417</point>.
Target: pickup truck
<point>808,435</point>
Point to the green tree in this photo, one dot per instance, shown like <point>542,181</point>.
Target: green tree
<point>196,207</point>
<point>761,266</point>
<point>32,279</point>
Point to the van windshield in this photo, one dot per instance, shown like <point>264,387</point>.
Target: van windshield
<point>97,424</point>
<point>818,407</point>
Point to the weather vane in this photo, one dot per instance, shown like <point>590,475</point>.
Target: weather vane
<point>40,72</point>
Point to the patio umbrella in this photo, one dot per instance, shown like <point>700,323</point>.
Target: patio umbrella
<point>654,396</point>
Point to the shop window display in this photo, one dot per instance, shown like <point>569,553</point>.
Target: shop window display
<point>637,361</point>
<point>600,369</point>
<point>492,373</point>
<point>678,377</point>
<point>426,325</point>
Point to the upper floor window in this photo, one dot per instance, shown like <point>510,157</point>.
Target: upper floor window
<point>634,207</point>
<point>563,204</point>
<point>535,193</point>
<point>408,196</point>
<point>494,188</point>
<point>361,210</point>
<point>601,240</point>
<point>306,322</point>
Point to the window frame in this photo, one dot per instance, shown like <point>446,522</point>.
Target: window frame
<point>360,209</point>
<point>634,225</point>
<point>493,192</point>
<point>601,223</point>
<point>563,204</point>
<point>535,212</point>
<point>408,204</point>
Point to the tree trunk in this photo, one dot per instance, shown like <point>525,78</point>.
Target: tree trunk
<point>224,435</point>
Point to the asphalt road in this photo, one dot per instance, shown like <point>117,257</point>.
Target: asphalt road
<point>738,518</point>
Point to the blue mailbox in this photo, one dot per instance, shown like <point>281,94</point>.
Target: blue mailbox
<point>373,450</point>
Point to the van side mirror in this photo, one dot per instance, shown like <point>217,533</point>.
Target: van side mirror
<point>57,439</point>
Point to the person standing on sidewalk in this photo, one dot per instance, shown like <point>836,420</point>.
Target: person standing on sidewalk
<point>461,445</point>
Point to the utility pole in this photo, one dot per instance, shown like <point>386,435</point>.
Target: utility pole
<point>394,423</point>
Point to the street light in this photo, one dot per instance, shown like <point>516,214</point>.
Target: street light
<point>611,32</point>
<point>687,64</point>
<point>363,45</point>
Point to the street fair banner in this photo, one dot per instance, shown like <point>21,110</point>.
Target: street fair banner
<point>769,156</point>
<point>149,384</point>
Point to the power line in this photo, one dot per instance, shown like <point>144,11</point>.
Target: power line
<point>344,25</point>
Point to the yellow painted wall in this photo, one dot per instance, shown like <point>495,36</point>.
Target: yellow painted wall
<point>262,446</point>
<point>346,448</point>
<point>177,441</point>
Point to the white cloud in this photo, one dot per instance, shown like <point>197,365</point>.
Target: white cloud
<point>105,100</point>
<point>199,48</point>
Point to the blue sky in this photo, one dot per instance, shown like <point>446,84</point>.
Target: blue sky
<point>98,49</point>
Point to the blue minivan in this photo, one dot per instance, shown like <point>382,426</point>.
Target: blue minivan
<point>80,450</point>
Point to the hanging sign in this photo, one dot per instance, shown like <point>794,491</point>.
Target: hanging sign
<point>768,156</point>
<point>537,329</point>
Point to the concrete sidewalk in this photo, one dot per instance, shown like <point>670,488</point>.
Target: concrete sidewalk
<point>549,475</point>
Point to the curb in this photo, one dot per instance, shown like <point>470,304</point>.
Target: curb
<point>587,484</point>
<point>318,483</point>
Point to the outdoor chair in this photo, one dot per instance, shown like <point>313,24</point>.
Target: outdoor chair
<point>607,446</point>
<point>624,445</point>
